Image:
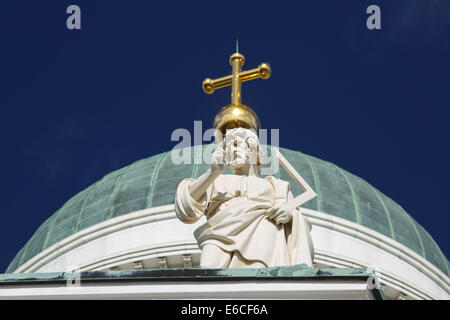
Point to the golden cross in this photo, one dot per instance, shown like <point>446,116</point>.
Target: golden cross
<point>236,77</point>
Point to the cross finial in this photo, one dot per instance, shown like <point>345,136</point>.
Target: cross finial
<point>236,114</point>
<point>236,77</point>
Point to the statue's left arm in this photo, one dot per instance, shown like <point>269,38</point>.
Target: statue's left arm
<point>280,213</point>
<point>283,211</point>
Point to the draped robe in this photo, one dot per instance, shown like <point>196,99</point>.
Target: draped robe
<point>236,210</point>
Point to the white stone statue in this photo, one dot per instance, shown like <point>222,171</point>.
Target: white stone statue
<point>249,220</point>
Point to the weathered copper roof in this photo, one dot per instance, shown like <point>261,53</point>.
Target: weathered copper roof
<point>152,182</point>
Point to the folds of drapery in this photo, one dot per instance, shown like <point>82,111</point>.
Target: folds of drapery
<point>242,226</point>
<point>186,208</point>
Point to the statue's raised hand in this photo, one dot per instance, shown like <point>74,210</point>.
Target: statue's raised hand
<point>218,160</point>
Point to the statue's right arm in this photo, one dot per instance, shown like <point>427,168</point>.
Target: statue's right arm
<point>199,186</point>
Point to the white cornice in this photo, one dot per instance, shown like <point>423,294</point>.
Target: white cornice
<point>161,213</point>
<point>96,231</point>
<point>379,240</point>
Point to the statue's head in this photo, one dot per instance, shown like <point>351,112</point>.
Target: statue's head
<point>242,148</point>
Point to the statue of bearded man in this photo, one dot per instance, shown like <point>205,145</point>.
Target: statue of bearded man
<point>249,223</point>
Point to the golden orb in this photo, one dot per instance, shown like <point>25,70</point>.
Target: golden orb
<point>234,116</point>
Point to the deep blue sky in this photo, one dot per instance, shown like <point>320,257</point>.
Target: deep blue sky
<point>79,104</point>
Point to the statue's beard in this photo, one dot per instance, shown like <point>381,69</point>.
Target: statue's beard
<point>241,148</point>
<point>241,159</point>
<point>238,162</point>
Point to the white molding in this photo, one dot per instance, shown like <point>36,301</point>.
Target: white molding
<point>379,240</point>
<point>243,289</point>
<point>163,213</point>
<point>96,231</point>
<point>141,253</point>
<point>385,277</point>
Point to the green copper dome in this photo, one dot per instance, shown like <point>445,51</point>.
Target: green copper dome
<point>152,182</point>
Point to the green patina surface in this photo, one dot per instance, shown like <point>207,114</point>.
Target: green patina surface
<point>301,271</point>
<point>153,181</point>
<point>292,273</point>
